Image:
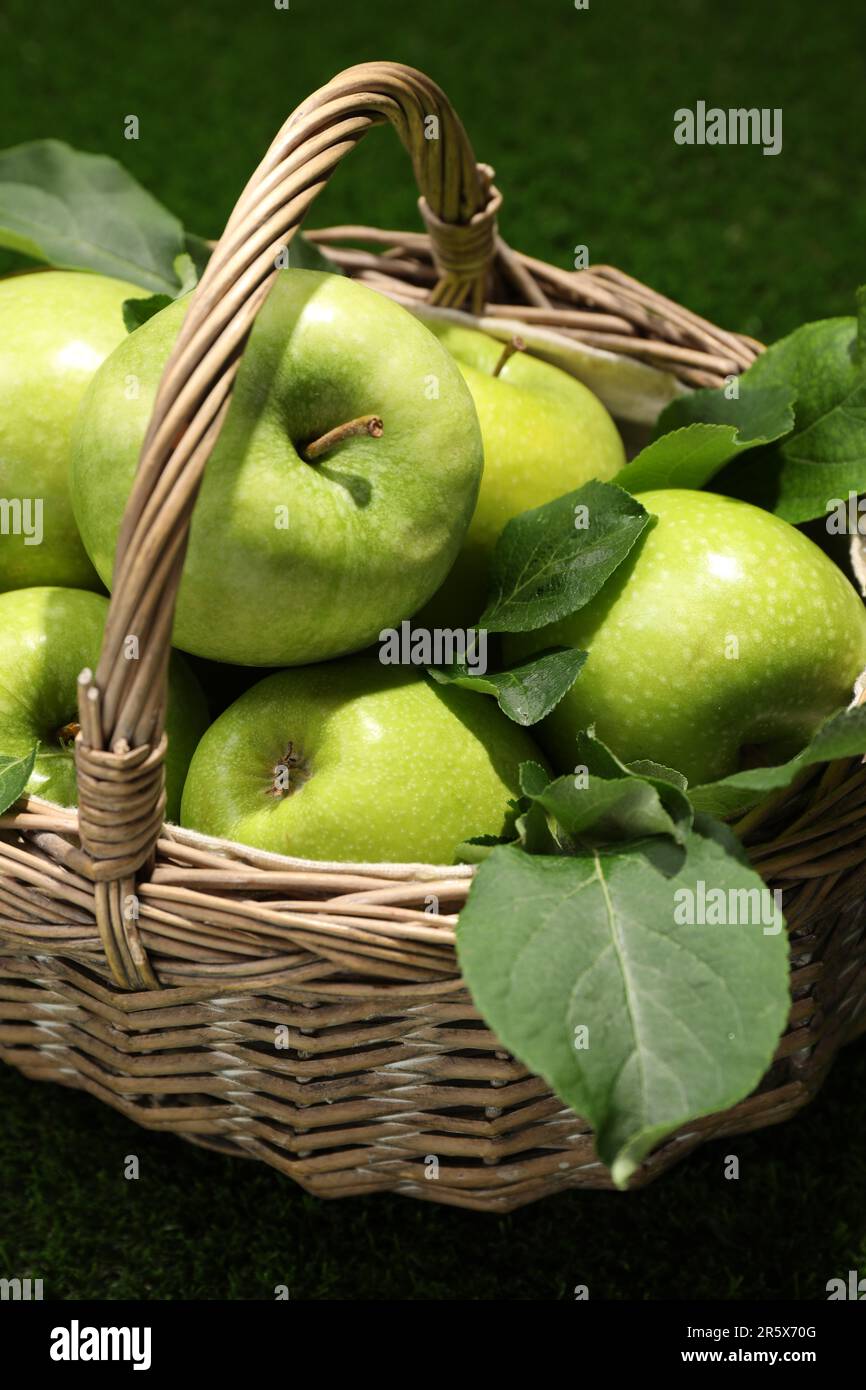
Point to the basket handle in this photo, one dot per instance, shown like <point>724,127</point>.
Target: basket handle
<point>120,750</point>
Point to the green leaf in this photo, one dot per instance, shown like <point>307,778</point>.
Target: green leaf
<point>693,452</point>
<point>755,415</point>
<point>536,832</point>
<point>85,212</point>
<point>604,800</point>
<point>15,773</point>
<point>476,850</point>
<point>602,762</point>
<point>186,272</point>
<point>682,1020</point>
<point>644,767</point>
<point>199,252</point>
<point>842,736</point>
<point>527,692</point>
<point>138,311</point>
<point>531,828</point>
<point>622,809</point>
<point>552,560</point>
<point>713,829</point>
<point>823,458</point>
<point>534,779</point>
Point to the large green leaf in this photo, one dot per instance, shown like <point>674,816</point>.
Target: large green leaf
<point>85,212</point>
<point>681,1020</point>
<point>552,560</point>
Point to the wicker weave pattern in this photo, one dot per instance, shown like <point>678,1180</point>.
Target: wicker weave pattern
<point>313,1016</point>
<point>315,1019</point>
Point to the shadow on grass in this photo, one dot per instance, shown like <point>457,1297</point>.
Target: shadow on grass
<point>200,1226</point>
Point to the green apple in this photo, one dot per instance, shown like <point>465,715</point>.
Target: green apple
<point>544,434</point>
<point>356,761</point>
<point>725,630</point>
<point>291,560</point>
<point>56,328</point>
<point>47,637</point>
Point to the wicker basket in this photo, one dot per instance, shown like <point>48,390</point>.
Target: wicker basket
<point>312,1015</point>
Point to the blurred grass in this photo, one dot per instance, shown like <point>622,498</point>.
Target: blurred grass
<point>575,110</point>
<point>196,1225</point>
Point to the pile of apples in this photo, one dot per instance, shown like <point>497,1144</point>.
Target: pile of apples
<point>364,473</point>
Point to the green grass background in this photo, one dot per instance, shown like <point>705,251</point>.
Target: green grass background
<point>575,110</point>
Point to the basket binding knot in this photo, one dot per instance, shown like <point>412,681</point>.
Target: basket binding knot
<point>121,810</point>
<point>122,807</point>
<point>463,252</point>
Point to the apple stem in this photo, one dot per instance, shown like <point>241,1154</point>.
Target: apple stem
<point>365,424</point>
<point>513,345</point>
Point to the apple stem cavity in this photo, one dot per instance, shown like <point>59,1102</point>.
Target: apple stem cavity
<point>513,345</point>
<point>289,774</point>
<point>364,424</point>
